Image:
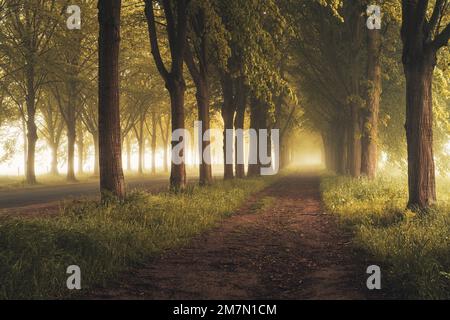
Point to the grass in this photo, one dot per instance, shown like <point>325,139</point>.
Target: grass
<point>18,182</point>
<point>107,239</point>
<point>412,250</point>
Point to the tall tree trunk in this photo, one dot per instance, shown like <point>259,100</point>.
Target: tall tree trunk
<point>355,21</point>
<point>370,127</point>
<point>328,151</point>
<point>199,73</point>
<point>80,148</point>
<point>177,88</point>
<point>419,132</point>
<point>205,169</point>
<point>176,26</point>
<point>239,120</point>
<point>54,164</point>
<point>31,126</point>
<point>284,154</point>
<point>254,169</point>
<point>228,110</point>
<point>25,145</point>
<point>141,146</point>
<point>354,139</point>
<point>111,174</point>
<point>154,120</point>
<point>422,38</point>
<point>71,139</point>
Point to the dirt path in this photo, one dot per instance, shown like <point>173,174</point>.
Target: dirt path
<point>289,249</point>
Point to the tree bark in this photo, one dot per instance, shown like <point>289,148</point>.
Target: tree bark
<point>228,110</point>
<point>153,143</point>
<point>369,156</point>
<point>31,126</point>
<point>257,122</point>
<point>419,132</point>
<point>205,169</point>
<point>54,164</point>
<point>176,26</point>
<point>355,21</point>
<point>141,146</point>
<point>422,39</point>
<point>177,88</point>
<point>71,139</point>
<point>354,139</point>
<point>200,76</point>
<point>111,174</point>
<point>241,105</point>
<point>80,148</point>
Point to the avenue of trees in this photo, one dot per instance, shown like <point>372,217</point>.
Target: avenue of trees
<point>138,70</point>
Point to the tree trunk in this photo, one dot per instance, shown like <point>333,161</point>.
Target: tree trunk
<point>154,143</point>
<point>228,110</point>
<point>54,164</point>
<point>205,169</point>
<point>254,169</point>
<point>177,88</point>
<point>80,147</point>
<point>419,131</point>
<point>141,146</point>
<point>111,174</point>
<point>355,22</point>
<point>284,154</point>
<point>369,143</point>
<point>25,145</point>
<point>71,139</point>
<point>341,149</point>
<point>354,139</point>
<point>239,125</point>
<point>328,151</point>
<point>31,126</point>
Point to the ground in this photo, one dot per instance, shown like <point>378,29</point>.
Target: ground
<point>280,245</point>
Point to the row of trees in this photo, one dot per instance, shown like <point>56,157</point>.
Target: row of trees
<point>243,67</point>
<point>349,77</point>
<point>245,63</point>
<point>194,54</point>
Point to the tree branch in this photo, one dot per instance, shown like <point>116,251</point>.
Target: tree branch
<point>442,39</point>
<point>150,15</point>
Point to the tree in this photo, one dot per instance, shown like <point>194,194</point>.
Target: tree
<point>176,17</point>
<point>27,28</point>
<point>369,141</point>
<point>51,129</point>
<point>207,46</point>
<point>111,173</point>
<point>422,36</point>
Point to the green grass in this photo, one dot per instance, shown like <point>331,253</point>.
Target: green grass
<point>107,239</point>
<point>412,250</point>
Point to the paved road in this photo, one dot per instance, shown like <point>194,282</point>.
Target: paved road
<point>41,195</point>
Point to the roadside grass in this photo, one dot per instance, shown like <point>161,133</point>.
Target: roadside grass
<point>46,180</point>
<point>104,240</point>
<point>412,250</point>
<point>12,183</point>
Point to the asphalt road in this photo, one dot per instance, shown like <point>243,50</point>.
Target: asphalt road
<point>17,198</point>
